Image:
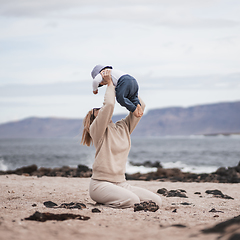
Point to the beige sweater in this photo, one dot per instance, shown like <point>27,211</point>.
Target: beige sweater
<point>111,140</point>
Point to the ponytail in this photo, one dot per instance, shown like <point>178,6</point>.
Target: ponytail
<point>86,137</point>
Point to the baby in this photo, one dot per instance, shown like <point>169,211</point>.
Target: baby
<point>126,88</point>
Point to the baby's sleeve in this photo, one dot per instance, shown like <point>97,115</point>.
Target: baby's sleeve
<point>96,81</point>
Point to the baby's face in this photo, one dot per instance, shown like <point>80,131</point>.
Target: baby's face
<point>103,82</point>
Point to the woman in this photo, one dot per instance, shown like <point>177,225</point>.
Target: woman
<point>112,142</point>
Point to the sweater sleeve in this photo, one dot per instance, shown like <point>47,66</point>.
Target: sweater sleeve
<point>99,125</point>
<point>131,120</point>
<point>96,82</point>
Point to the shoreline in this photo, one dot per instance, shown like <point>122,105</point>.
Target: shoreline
<point>178,218</point>
<point>221,175</point>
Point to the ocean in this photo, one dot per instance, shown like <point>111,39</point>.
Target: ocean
<point>197,154</point>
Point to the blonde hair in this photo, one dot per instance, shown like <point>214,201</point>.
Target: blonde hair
<point>86,137</point>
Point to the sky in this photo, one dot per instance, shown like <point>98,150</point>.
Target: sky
<point>182,53</point>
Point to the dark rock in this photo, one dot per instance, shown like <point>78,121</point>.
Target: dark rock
<point>176,193</point>
<point>34,205</point>
<point>218,194</point>
<point>49,204</point>
<point>65,171</point>
<point>222,171</point>
<point>179,225</point>
<point>83,168</point>
<point>186,203</point>
<point>221,227</point>
<point>181,190</point>
<point>175,210</point>
<point>162,191</point>
<point>23,170</point>
<point>172,193</point>
<point>197,193</point>
<point>235,236</point>
<point>222,175</point>
<point>229,175</point>
<point>71,205</point>
<point>96,210</point>
<point>43,217</point>
<point>148,164</point>
<point>214,210</point>
<point>146,206</point>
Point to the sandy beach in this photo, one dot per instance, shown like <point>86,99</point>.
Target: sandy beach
<point>22,196</point>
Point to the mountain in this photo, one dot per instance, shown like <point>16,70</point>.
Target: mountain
<point>219,118</point>
<point>201,119</point>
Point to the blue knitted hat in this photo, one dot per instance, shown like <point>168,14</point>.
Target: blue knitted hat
<point>97,69</point>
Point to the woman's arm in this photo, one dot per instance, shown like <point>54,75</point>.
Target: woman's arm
<point>131,120</point>
<point>99,125</point>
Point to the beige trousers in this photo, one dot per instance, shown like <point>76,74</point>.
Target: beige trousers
<point>120,195</point>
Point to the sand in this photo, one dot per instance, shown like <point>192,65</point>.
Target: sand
<point>21,196</point>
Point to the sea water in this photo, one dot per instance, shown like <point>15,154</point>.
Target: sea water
<point>198,154</point>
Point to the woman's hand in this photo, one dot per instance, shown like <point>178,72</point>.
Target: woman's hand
<point>107,78</point>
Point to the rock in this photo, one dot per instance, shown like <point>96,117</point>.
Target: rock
<point>96,210</point>
<point>43,217</point>
<point>148,164</point>
<point>71,205</point>
<point>221,227</point>
<point>83,168</point>
<point>179,225</point>
<point>49,204</point>
<point>214,210</point>
<point>65,171</point>
<point>186,203</point>
<point>172,193</point>
<point>222,175</point>
<point>235,236</point>
<point>146,206</point>
<point>162,191</point>
<point>175,210</point>
<point>197,193</point>
<point>23,170</point>
<point>218,194</point>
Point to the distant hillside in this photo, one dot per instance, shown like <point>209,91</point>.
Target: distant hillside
<point>202,119</point>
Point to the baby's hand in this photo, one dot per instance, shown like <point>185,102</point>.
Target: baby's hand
<point>95,92</point>
<point>138,111</point>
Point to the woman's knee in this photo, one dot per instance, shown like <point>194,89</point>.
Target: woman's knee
<point>112,195</point>
<point>129,201</point>
<point>146,195</point>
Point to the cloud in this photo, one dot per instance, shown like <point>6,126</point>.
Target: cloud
<point>171,13</point>
<point>56,89</point>
<point>176,50</point>
<point>213,82</point>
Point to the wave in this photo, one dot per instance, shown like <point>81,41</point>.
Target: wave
<point>130,169</point>
<point>3,166</point>
<point>190,168</point>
